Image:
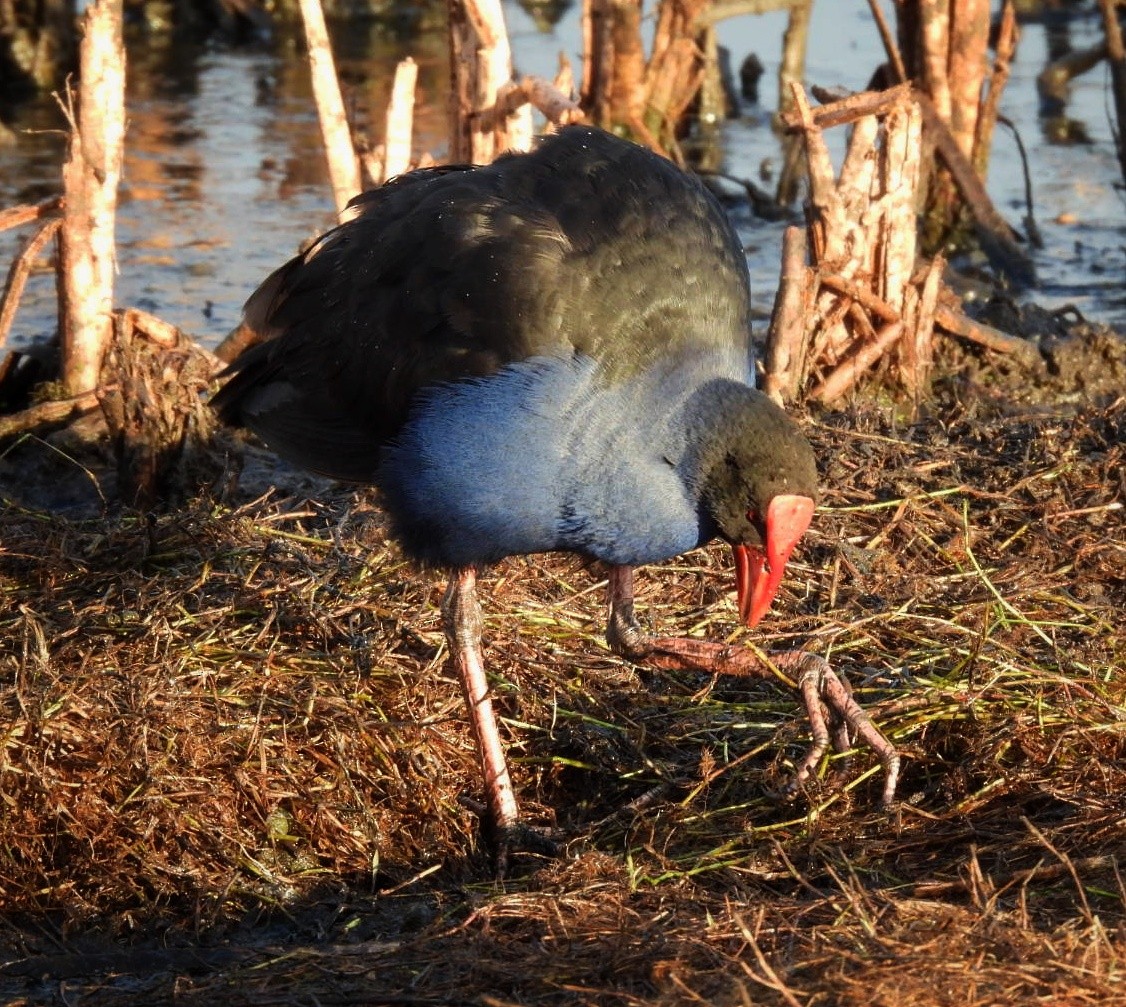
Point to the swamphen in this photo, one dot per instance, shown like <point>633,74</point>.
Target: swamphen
<point>548,352</point>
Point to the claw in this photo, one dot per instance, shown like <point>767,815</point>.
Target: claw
<point>834,715</point>
<point>823,691</point>
<point>515,837</point>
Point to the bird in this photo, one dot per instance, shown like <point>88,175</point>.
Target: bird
<point>551,352</point>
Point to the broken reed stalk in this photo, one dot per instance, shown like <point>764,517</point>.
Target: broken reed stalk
<point>934,49</point>
<point>863,230</point>
<point>958,324</point>
<point>860,300</point>
<point>649,97</point>
<point>786,339</point>
<point>592,26</point>
<point>895,58</point>
<point>950,321</point>
<point>564,81</point>
<point>914,356</point>
<point>997,238</point>
<point>613,63</point>
<point>947,56</point>
<point>394,157</point>
<point>795,42</point>
<point>490,112</point>
<point>400,120</point>
<point>1116,57</point>
<point>1007,36</point>
<point>967,65</point>
<point>91,174</point>
<point>895,190</point>
<point>675,71</point>
<point>841,111</point>
<point>343,165</point>
<point>851,369</point>
<point>791,70</point>
<point>19,272</point>
<point>864,301</point>
<point>480,65</point>
<point>711,104</point>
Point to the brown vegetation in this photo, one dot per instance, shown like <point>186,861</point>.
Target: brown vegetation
<point>232,768</point>
<point>232,764</point>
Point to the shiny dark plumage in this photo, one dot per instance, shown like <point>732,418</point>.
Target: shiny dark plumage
<point>550,352</point>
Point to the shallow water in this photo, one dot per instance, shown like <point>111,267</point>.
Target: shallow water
<point>224,176</point>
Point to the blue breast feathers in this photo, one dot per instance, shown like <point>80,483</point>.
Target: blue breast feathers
<point>547,454</point>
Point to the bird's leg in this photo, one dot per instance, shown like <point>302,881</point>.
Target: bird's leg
<point>623,631</point>
<point>833,713</point>
<point>461,619</point>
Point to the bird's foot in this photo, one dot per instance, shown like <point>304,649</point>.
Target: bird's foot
<point>834,716</point>
<point>510,838</point>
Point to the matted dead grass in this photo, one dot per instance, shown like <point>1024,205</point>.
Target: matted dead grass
<point>232,759</point>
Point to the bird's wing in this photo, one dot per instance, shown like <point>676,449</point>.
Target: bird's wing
<point>657,268</point>
<point>588,245</point>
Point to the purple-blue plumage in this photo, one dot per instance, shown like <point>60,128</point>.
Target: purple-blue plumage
<point>551,352</point>
<point>519,355</point>
<point>547,455</point>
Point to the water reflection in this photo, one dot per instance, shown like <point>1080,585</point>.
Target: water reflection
<point>545,14</point>
<point>224,174</point>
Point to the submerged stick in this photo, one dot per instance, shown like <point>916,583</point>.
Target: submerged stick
<point>19,272</point>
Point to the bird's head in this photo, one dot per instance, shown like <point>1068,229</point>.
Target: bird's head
<point>760,488</point>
